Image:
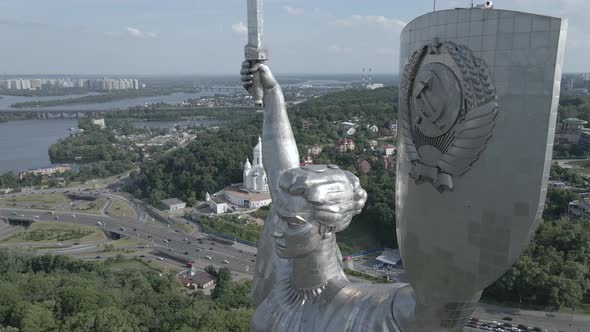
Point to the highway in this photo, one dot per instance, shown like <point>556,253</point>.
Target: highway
<point>157,236</point>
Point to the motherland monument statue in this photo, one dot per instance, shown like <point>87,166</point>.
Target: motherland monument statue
<point>478,104</point>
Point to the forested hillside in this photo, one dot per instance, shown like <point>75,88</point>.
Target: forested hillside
<point>56,293</point>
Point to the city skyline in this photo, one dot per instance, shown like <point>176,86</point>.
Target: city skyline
<point>182,37</point>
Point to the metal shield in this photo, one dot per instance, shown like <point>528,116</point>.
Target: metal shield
<point>478,105</point>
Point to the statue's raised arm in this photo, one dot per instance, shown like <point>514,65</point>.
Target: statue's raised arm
<point>279,153</point>
<point>279,150</point>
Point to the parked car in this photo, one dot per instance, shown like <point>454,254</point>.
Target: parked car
<point>208,257</point>
<point>225,261</point>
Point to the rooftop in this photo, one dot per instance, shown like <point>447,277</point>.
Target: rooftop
<point>390,256</point>
<point>237,191</point>
<point>202,278</point>
<point>172,201</point>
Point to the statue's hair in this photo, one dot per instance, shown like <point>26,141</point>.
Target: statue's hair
<point>336,195</point>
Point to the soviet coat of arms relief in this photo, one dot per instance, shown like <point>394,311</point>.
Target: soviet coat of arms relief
<point>448,109</point>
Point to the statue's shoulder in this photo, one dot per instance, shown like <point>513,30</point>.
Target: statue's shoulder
<point>357,306</point>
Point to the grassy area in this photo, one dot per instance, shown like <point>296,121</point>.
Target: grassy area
<point>186,227</point>
<point>581,166</point>
<point>585,164</point>
<point>365,276</point>
<point>261,213</point>
<point>125,242</point>
<point>121,209</point>
<point>91,207</point>
<point>232,226</point>
<point>582,309</point>
<point>57,233</point>
<point>135,264</point>
<point>34,200</point>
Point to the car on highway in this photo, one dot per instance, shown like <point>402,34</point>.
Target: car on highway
<point>36,217</point>
<point>507,318</point>
<point>210,248</point>
<point>73,216</point>
<point>160,258</point>
<point>98,257</point>
<point>225,261</point>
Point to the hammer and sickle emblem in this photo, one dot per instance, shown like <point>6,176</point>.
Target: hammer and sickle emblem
<point>427,111</point>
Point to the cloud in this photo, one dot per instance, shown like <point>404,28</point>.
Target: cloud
<point>240,28</point>
<point>293,10</point>
<point>340,50</point>
<point>140,34</point>
<point>373,20</point>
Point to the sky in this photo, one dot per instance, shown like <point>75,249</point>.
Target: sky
<point>206,37</point>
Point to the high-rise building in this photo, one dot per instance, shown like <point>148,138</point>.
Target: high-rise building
<point>36,84</point>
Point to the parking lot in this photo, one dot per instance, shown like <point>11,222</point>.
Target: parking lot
<point>370,265</point>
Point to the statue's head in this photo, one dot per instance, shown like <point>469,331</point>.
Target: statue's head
<point>314,202</point>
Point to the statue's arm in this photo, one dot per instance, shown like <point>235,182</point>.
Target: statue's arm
<point>279,150</point>
<point>279,153</point>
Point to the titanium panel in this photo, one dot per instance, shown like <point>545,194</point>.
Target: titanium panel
<point>485,214</point>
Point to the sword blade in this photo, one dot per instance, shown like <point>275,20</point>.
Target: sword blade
<point>255,24</point>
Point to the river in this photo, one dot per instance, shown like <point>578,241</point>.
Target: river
<point>24,144</point>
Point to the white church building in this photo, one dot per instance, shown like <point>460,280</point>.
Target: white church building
<point>252,193</point>
<point>254,178</point>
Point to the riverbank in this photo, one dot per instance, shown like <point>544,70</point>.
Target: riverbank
<point>94,99</point>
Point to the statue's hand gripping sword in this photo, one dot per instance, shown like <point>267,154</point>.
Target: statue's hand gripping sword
<point>254,51</point>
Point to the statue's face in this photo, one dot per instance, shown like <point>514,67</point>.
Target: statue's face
<point>295,237</point>
<point>295,234</point>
